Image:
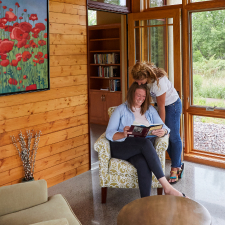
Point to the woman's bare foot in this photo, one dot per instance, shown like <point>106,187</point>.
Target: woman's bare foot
<point>169,189</point>
<point>175,192</point>
<point>172,191</point>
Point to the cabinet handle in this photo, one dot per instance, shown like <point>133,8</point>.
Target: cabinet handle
<point>102,97</point>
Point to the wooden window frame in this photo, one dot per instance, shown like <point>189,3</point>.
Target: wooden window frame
<point>189,110</point>
<point>110,7</point>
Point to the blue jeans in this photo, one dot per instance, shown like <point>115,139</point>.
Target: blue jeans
<point>173,113</point>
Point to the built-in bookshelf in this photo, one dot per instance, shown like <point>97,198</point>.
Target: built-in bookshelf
<point>104,69</point>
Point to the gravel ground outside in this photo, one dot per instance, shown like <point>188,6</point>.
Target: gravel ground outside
<point>209,137</point>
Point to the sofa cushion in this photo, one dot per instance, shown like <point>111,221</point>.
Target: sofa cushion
<point>23,195</point>
<point>62,221</point>
<point>56,208</point>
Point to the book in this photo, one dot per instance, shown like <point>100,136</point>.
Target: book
<point>143,131</point>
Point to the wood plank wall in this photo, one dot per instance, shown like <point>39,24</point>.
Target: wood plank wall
<point>60,113</point>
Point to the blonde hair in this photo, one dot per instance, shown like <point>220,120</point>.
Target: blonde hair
<point>143,70</point>
<point>131,93</point>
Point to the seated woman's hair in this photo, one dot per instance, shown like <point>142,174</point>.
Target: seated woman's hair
<point>131,93</point>
<point>143,70</point>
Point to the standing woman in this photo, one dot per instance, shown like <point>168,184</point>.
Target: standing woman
<point>169,108</point>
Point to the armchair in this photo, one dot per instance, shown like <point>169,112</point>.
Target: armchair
<point>118,173</point>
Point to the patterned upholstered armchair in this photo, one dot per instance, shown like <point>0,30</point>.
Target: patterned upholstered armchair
<point>117,173</point>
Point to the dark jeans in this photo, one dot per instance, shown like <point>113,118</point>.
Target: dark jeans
<point>173,112</point>
<point>141,153</point>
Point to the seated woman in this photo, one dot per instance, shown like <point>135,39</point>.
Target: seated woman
<point>138,151</point>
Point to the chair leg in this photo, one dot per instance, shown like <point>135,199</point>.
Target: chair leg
<point>104,194</point>
<point>159,191</point>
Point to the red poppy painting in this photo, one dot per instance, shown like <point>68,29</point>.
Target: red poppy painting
<point>24,46</point>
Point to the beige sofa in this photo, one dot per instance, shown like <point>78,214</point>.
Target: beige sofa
<point>28,203</point>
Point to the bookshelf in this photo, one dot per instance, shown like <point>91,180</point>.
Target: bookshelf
<point>104,54</point>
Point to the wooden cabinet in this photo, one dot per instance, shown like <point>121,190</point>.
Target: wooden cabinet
<point>104,54</point>
<point>100,101</point>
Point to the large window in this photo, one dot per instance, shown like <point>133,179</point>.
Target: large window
<point>208,50</point>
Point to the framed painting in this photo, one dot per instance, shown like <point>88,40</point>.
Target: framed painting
<point>24,46</point>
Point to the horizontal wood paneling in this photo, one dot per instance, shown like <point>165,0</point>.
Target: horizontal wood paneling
<point>67,39</point>
<point>67,117</point>
<point>66,8</point>
<point>61,113</point>
<point>67,175</point>
<point>33,110</point>
<point>56,28</point>
<point>74,2</point>
<point>44,95</point>
<point>39,118</point>
<point>68,60</point>
<point>60,71</point>
<point>67,81</point>
<point>68,49</point>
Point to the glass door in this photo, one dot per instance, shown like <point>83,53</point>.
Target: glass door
<point>155,37</point>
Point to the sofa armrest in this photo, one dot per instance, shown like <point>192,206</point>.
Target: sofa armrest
<point>62,221</point>
<point>102,146</point>
<point>21,196</point>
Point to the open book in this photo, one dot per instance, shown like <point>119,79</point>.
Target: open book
<point>143,131</point>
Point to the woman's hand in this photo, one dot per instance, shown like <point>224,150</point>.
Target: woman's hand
<point>125,131</point>
<point>159,132</point>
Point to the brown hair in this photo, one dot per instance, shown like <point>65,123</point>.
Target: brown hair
<point>143,70</point>
<point>131,93</point>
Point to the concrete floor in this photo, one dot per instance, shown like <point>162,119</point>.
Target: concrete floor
<point>201,183</point>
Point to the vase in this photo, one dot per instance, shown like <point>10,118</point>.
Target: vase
<point>23,180</point>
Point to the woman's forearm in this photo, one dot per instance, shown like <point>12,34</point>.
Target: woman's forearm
<point>118,135</point>
<point>162,113</point>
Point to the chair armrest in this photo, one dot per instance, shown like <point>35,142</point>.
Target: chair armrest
<point>62,221</point>
<point>161,143</point>
<point>102,146</point>
<point>21,196</point>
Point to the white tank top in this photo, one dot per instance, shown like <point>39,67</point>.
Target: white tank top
<point>140,119</point>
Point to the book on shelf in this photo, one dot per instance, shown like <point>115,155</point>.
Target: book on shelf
<point>108,71</point>
<point>110,58</point>
<point>143,131</point>
<point>114,85</point>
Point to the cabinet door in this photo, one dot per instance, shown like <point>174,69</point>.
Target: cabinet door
<point>112,99</point>
<point>97,114</point>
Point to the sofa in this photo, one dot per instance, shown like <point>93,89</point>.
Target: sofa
<point>28,203</point>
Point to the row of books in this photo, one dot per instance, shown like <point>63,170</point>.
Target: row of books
<point>111,58</point>
<point>108,71</point>
<point>114,85</point>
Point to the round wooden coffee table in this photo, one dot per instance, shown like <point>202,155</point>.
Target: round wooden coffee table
<point>164,210</point>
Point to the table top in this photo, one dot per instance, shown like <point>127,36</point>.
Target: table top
<point>164,210</point>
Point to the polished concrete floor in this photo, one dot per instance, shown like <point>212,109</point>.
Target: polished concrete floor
<point>201,183</point>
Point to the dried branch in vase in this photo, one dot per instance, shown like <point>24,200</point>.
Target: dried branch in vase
<point>26,153</point>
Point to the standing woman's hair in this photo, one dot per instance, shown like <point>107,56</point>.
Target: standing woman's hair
<point>143,70</point>
<point>131,93</point>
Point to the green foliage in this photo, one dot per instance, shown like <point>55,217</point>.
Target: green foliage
<point>197,56</point>
<point>212,91</point>
<point>209,68</point>
<point>208,34</point>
